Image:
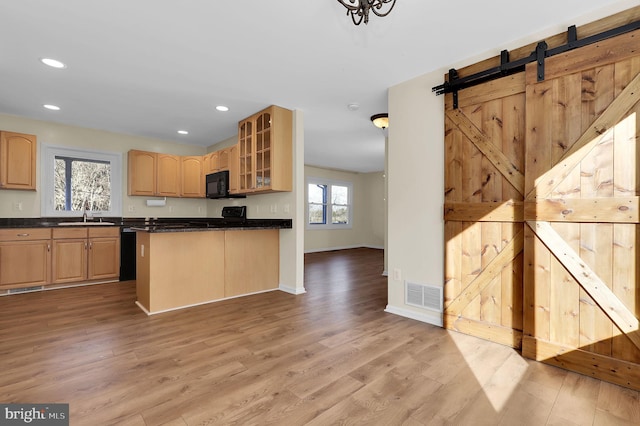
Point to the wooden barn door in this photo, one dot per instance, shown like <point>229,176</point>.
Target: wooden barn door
<point>582,181</point>
<point>483,212</point>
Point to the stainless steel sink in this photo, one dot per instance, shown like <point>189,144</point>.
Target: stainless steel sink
<point>85,223</point>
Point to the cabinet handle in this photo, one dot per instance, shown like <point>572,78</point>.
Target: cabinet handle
<point>48,247</point>
<point>85,246</point>
<point>22,235</point>
<point>90,246</point>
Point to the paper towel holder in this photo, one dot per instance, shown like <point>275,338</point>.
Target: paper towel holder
<point>157,203</point>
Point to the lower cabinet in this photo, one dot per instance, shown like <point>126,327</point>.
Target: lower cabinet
<point>84,254</point>
<point>25,257</point>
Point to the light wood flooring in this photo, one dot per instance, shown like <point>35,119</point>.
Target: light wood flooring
<point>331,356</point>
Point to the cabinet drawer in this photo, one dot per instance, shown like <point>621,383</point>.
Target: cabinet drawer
<point>64,233</point>
<point>25,234</point>
<point>104,231</point>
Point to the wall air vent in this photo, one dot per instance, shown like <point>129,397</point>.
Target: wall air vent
<point>423,296</point>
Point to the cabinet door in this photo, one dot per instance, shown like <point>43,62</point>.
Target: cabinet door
<point>263,151</point>
<point>223,159</point>
<point>211,162</point>
<point>245,156</point>
<point>17,161</point>
<point>24,264</point>
<point>192,177</point>
<point>104,258</point>
<point>69,260</point>
<point>168,177</point>
<point>233,169</point>
<point>141,173</point>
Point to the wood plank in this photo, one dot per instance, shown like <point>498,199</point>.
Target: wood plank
<point>589,210</point>
<point>453,260</point>
<point>483,142</point>
<point>599,132</point>
<point>491,90</point>
<point>601,367</point>
<point>492,332</point>
<point>538,146</point>
<point>602,53</point>
<point>471,290</point>
<point>513,139</point>
<point>491,126</point>
<point>621,316</point>
<point>453,162</point>
<point>508,211</point>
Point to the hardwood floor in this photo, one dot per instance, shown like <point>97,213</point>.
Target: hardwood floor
<point>331,356</point>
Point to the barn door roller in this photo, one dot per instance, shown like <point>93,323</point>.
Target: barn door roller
<point>456,83</point>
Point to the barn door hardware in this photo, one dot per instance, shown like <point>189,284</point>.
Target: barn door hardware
<point>542,51</point>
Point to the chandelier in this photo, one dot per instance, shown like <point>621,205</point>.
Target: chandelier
<point>359,9</point>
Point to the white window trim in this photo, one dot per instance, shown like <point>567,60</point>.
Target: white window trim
<point>47,160</point>
<point>327,226</point>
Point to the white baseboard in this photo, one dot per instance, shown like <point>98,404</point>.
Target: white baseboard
<point>344,248</point>
<point>433,318</point>
<point>296,291</point>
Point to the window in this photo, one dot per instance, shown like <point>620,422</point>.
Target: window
<point>328,204</point>
<point>74,179</point>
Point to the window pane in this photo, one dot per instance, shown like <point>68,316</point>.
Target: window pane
<point>88,182</point>
<point>339,194</point>
<point>317,214</point>
<point>340,215</point>
<point>317,193</point>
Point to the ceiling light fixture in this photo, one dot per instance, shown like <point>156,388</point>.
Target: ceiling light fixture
<point>359,9</point>
<point>222,108</point>
<point>381,121</point>
<point>183,132</point>
<point>52,107</point>
<point>53,63</point>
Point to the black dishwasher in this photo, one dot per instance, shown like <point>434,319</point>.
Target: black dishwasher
<point>127,254</point>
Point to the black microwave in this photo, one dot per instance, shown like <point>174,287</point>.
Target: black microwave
<point>217,185</point>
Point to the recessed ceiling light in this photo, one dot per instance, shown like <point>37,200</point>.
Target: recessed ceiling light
<point>52,107</point>
<point>222,108</point>
<point>353,106</point>
<point>183,132</point>
<point>54,63</point>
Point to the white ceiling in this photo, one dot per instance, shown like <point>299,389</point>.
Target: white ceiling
<point>152,67</point>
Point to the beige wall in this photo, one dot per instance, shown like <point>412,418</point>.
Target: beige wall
<point>70,136</point>
<point>368,213</point>
<point>416,175</point>
<point>282,205</point>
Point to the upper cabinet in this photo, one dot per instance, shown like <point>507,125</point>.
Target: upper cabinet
<point>211,163</point>
<point>17,161</point>
<point>168,175</point>
<point>153,174</point>
<point>264,157</point>
<point>192,177</point>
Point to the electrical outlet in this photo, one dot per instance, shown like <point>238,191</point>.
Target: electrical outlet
<point>200,209</point>
<point>17,207</point>
<point>170,209</point>
<point>132,208</point>
<point>286,208</point>
<point>274,208</point>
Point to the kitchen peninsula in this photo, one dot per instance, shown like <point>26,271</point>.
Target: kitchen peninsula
<point>187,264</point>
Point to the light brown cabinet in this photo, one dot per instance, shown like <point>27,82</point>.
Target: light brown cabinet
<point>17,161</point>
<point>265,151</point>
<point>85,254</point>
<point>192,177</point>
<point>211,162</point>
<point>25,257</point>
<point>168,175</point>
<point>142,166</point>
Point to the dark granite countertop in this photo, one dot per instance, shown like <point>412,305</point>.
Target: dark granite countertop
<point>154,224</point>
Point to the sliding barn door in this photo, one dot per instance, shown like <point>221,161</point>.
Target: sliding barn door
<point>581,257</point>
<point>483,212</point>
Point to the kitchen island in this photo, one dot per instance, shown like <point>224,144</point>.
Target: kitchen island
<point>183,265</point>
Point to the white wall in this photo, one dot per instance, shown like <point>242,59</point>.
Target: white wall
<point>368,213</point>
<point>415,170</point>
